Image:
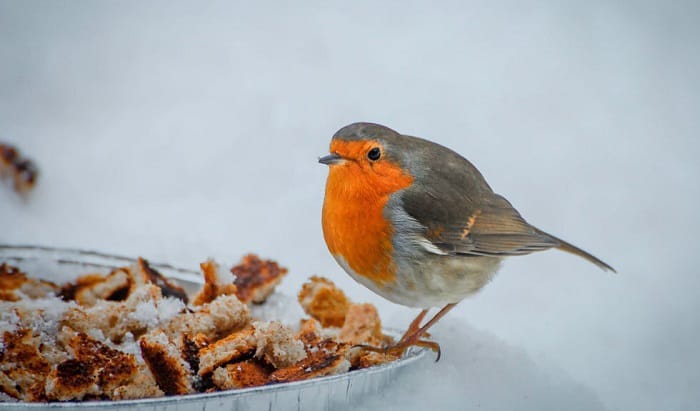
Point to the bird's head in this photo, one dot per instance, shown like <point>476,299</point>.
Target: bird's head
<point>367,158</point>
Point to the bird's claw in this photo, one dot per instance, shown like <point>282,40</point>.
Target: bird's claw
<point>399,348</point>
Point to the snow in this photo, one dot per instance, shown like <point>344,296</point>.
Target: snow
<point>151,313</point>
<point>180,130</point>
<point>168,308</point>
<point>41,315</point>
<point>145,313</point>
<point>281,307</point>
<point>46,315</point>
<point>9,321</point>
<point>128,345</point>
<point>8,318</point>
<point>223,274</point>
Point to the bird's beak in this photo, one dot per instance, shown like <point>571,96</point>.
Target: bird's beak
<point>330,159</point>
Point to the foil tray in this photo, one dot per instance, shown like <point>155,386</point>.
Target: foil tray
<point>324,393</point>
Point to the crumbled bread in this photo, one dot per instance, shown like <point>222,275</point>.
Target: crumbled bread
<point>216,282</point>
<point>244,374</point>
<point>310,331</point>
<point>68,290</point>
<point>72,380</point>
<point>256,279</point>
<point>14,284</point>
<point>113,287</point>
<point>371,359</point>
<point>323,361</point>
<point>27,343</point>
<point>42,316</point>
<point>220,317</point>
<point>172,373</point>
<point>362,325</point>
<point>228,349</point>
<point>8,387</point>
<point>21,171</point>
<point>86,348</point>
<point>190,347</point>
<point>322,300</point>
<point>277,345</point>
<point>52,353</point>
<point>10,320</point>
<point>96,370</point>
<point>138,314</point>
<point>22,365</point>
<point>100,317</point>
<point>143,385</point>
<point>201,340</point>
<point>142,273</point>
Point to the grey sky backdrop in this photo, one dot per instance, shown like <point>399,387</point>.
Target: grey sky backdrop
<point>179,131</point>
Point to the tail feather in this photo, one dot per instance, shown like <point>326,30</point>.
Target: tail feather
<point>570,248</point>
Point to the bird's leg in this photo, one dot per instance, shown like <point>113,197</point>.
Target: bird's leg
<point>414,338</point>
<point>415,325</point>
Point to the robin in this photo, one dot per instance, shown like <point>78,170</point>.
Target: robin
<point>418,224</point>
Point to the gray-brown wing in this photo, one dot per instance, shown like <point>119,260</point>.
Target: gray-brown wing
<point>476,223</point>
<point>460,213</point>
<point>479,222</point>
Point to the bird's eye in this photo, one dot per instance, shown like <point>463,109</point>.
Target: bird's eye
<point>374,154</point>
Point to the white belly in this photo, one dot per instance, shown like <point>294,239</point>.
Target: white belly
<point>432,281</point>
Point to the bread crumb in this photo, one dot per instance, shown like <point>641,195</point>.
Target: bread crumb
<point>256,279</point>
<point>216,282</point>
<point>362,325</point>
<point>322,300</point>
<point>277,345</point>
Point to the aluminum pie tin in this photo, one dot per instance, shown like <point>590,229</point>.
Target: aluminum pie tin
<point>324,393</point>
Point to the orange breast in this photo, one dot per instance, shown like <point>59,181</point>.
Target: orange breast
<point>354,225</point>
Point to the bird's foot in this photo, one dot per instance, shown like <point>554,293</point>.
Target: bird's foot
<point>400,347</point>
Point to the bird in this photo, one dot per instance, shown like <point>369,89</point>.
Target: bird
<point>417,223</point>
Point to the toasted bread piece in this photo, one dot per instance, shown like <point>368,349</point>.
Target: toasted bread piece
<point>256,279</point>
<point>214,320</point>
<point>328,358</point>
<point>68,290</point>
<point>190,350</point>
<point>113,287</point>
<point>95,370</point>
<point>362,325</point>
<point>172,373</point>
<point>244,374</point>
<point>14,284</point>
<point>32,324</point>
<point>137,315</point>
<point>310,331</point>
<point>371,359</point>
<point>8,387</point>
<point>22,365</point>
<point>142,385</point>
<point>72,380</point>
<point>216,282</point>
<point>322,300</point>
<point>142,273</point>
<point>230,348</point>
<point>277,345</point>
<point>21,171</point>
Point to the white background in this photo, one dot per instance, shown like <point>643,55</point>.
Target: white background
<point>182,131</point>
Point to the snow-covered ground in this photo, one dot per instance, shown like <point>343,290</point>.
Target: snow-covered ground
<point>179,131</point>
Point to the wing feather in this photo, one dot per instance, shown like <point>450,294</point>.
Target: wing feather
<point>458,226</point>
